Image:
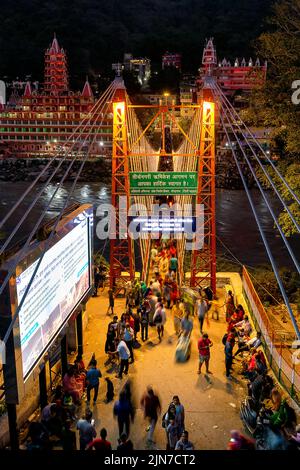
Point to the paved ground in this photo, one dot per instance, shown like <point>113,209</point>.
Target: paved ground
<point>211,402</point>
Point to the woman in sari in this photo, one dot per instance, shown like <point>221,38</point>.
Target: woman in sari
<point>229,306</point>
<point>72,386</point>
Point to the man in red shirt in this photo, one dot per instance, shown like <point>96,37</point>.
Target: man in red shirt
<point>204,345</point>
<point>101,444</point>
<point>152,408</point>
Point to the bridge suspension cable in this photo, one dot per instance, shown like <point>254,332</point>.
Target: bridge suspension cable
<point>263,194</point>
<point>252,205</point>
<point>104,104</point>
<point>236,119</point>
<point>185,159</point>
<point>142,158</point>
<point>59,156</point>
<point>93,114</point>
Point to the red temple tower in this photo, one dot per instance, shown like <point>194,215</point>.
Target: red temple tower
<point>56,70</point>
<point>209,58</point>
<point>42,122</point>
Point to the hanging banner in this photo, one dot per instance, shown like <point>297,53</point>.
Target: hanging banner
<point>163,183</point>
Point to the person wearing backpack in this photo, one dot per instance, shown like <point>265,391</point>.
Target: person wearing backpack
<point>166,420</point>
<point>159,319</point>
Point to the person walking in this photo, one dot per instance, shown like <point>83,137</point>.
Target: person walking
<point>159,319</point>
<point>110,343</point>
<point>164,265</point>
<point>92,380</point>
<point>111,300</point>
<point>156,288</point>
<point>228,354</point>
<point>101,444</point>
<point>153,255</point>
<point>204,345</point>
<point>186,324</point>
<point>152,301</point>
<point>128,338</point>
<point>137,325</point>
<point>201,310</point>
<point>96,280</point>
<point>178,314</point>
<point>172,434</point>
<point>230,307</point>
<point>124,355</point>
<point>173,264</point>
<point>179,415</point>
<point>124,412</point>
<point>166,420</point>
<point>152,408</point>
<point>144,323</point>
<point>167,287</point>
<point>87,431</point>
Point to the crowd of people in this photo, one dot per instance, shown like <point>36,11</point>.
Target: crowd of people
<point>147,305</point>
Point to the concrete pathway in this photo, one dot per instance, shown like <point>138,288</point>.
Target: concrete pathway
<point>211,402</point>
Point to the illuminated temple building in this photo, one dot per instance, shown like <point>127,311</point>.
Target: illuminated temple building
<point>43,122</point>
<point>241,76</point>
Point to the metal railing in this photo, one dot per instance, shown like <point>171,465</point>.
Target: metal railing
<point>277,348</point>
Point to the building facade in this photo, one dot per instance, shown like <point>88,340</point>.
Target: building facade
<point>240,76</point>
<point>170,59</point>
<point>44,123</point>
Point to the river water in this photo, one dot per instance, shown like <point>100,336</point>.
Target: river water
<point>236,226</point>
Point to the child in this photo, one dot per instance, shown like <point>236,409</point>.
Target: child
<point>110,390</point>
<point>69,406</point>
<point>172,432</point>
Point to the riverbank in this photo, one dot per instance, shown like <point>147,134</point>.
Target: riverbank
<point>20,169</point>
<point>99,169</point>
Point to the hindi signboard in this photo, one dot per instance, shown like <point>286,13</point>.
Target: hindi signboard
<point>163,183</point>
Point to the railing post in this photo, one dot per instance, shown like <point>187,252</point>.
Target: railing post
<point>280,362</point>
<point>271,349</point>
<point>293,381</point>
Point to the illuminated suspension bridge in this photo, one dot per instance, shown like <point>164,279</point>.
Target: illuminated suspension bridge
<point>133,157</point>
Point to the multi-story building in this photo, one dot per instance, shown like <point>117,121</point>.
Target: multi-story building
<point>170,59</point>
<point>241,76</point>
<point>2,94</point>
<point>187,98</point>
<point>44,122</point>
<point>142,69</point>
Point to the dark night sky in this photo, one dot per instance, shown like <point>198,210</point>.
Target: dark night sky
<point>98,32</point>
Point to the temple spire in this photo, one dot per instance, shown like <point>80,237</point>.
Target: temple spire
<point>56,71</point>
<point>27,91</point>
<point>55,46</point>
<point>87,91</point>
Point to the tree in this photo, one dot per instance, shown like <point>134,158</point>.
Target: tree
<point>292,177</point>
<point>272,106</point>
<point>165,80</point>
